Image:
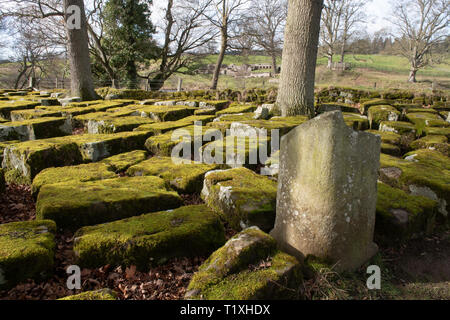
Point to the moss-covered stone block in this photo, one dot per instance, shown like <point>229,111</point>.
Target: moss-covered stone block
<point>116,124</point>
<point>400,216</point>
<point>123,161</point>
<point>11,105</point>
<point>26,251</point>
<point>68,174</point>
<point>40,128</point>
<point>163,127</point>
<point>234,109</point>
<point>25,160</point>
<point>387,137</point>
<point>150,239</point>
<point>22,115</point>
<point>247,267</point>
<point>77,204</point>
<point>427,119</point>
<point>379,113</point>
<point>166,113</point>
<point>437,131</point>
<point>241,197</point>
<point>434,142</point>
<point>184,178</point>
<point>163,144</point>
<point>102,294</point>
<point>423,172</point>
<point>374,102</point>
<point>391,149</point>
<point>356,121</point>
<point>399,127</point>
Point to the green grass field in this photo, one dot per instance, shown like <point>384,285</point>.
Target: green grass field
<point>386,71</point>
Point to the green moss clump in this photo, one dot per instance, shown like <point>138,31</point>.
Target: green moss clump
<point>249,246</point>
<point>150,239</point>
<point>380,113</point>
<point>26,251</point>
<point>103,294</point>
<point>76,204</point>
<point>79,173</point>
<point>7,106</point>
<point>401,216</point>
<point>437,131</point>
<point>21,115</point>
<point>123,161</point>
<point>375,102</point>
<point>399,127</point>
<point>235,109</point>
<point>241,197</point>
<point>426,168</point>
<point>163,127</point>
<point>279,281</point>
<point>356,121</point>
<point>387,137</point>
<point>439,143</point>
<point>390,149</point>
<point>427,119</point>
<point>184,178</point>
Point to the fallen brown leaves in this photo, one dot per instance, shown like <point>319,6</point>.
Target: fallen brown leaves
<point>166,282</point>
<point>17,204</point>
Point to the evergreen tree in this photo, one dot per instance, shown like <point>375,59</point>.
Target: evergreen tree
<point>128,36</point>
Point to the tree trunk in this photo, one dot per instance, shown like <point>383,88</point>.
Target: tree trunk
<point>412,75</point>
<point>82,84</point>
<point>274,63</point>
<point>343,52</point>
<point>330,61</point>
<point>298,69</point>
<point>223,48</point>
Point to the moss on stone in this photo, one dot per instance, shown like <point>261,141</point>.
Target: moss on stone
<point>279,281</point>
<point>399,127</point>
<point>437,131</point>
<point>166,113</point>
<point>39,128</point>
<point>68,174</point>
<point>102,294</point>
<point>356,121</point>
<point>235,109</point>
<point>163,127</point>
<point>427,119</point>
<point>379,113</point>
<point>375,102</point>
<point>387,137</point>
<point>26,251</point>
<point>241,197</point>
<point>116,124</point>
<point>21,115</point>
<point>76,204</point>
<point>150,239</point>
<point>400,216</point>
<point>248,247</point>
<point>11,105</point>
<point>424,169</point>
<point>123,161</point>
<point>184,178</point>
<point>439,143</point>
<point>390,149</point>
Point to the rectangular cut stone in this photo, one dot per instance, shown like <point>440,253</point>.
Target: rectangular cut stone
<point>327,192</point>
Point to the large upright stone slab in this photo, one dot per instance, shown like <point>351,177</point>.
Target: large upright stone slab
<point>327,192</point>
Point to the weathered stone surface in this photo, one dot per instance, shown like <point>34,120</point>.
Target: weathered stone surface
<point>380,113</point>
<point>423,172</point>
<point>184,178</point>
<point>242,197</point>
<point>77,204</point>
<point>327,192</point>
<point>401,216</point>
<point>103,294</point>
<point>399,127</point>
<point>247,267</point>
<point>427,119</point>
<point>26,251</point>
<point>40,128</point>
<point>432,142</point>
<point>150,239</point>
